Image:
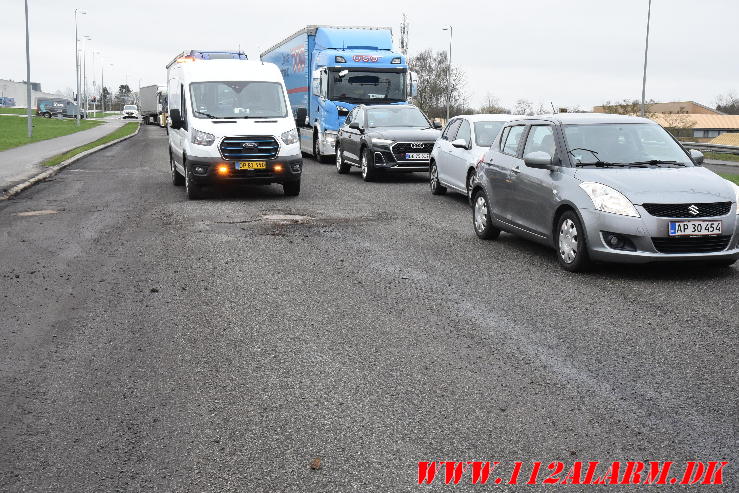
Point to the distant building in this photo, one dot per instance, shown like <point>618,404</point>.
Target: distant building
<point>698,127</point>
<point>17,91</point>
<point>675,107</point>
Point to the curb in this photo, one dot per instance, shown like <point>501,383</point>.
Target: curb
<point>15,190</point>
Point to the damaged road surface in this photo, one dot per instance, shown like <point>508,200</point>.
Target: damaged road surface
<point>331,341</point>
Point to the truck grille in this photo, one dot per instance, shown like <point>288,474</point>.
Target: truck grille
<point>696,244</point>
<point>683,210</point>
<point>249,147</point>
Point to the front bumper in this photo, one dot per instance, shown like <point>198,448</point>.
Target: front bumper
<point>386,160</point>
<point>292,169</point>
<point>646,231</point>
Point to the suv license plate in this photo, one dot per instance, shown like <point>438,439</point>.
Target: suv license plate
<point>695,228</point>
<point>251,165</point>
<point>418,156</point>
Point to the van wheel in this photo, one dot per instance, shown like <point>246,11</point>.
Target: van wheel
<point>291,188</point>
<point>369,172</point>
<point>177,179</point>
<point>481,218</point>
<point>194,191</point>
<point>436,187</point>
<point>572,252</point>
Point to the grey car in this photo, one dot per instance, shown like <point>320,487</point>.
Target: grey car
<point>604,188</point>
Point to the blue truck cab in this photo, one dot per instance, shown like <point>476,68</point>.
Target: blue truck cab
<point>329,70</point>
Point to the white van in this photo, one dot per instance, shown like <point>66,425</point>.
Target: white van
<point>230,122</point>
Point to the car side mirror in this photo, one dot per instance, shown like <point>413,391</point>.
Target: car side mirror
<point>460,144</point>
<point>301,117</point>
<point>696,156</point>
<point>437,125</point>
<point>355,126</point>
<point>176,117</point>
<point>538,160</point>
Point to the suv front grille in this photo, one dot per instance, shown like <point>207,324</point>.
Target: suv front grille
<point>684,210</point>
<point>695,244</point>
<point>249,147</point>
<point>400,149</point>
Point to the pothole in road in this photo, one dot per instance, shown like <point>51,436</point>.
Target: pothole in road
<point>42,212</point>
<point>287,218</point>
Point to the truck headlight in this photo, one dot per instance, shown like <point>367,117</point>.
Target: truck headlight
<point>290,137</point>
<point>202,138</point>
<point>607,199</point>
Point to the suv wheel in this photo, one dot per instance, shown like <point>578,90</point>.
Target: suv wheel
<point>481,218</point>
<point>572,253</point>
<point>341,166</point>
<point>369,173</point>
<point>436,187</point>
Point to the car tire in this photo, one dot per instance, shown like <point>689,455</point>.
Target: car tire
<point>572,250</point>
<point>471,181</point>
<point>342,167</point>
<point>193,190</point>
<point>369,172</point>
<point>436,187</point>
<point>291,188</point>
<point>177,179</point>
<point>481,221</point>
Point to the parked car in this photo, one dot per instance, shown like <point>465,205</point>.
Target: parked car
<point>605,188</point>
<point>461,145</point>
<point>130,111</point>
<point>385,138</point>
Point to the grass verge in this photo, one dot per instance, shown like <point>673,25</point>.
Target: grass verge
<point>123,131</point>
<point>13,130</point>
<point>731,178</point>
<point>15,111</point>
<point>720,156</point>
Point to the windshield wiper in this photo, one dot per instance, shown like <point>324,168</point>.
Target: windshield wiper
<point>207,115</point>
<point>657,162</point>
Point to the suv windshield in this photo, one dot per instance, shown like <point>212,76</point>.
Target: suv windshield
<point>238,99</point>
<point>396,116</point>
<point>486,132</point>
<point>359,86</point>
<point>129,107</point>
<point>618,143</point>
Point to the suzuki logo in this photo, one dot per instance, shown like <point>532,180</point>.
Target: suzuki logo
<point>416,145</point>
<point>250,145</point>
<point>693,209</point>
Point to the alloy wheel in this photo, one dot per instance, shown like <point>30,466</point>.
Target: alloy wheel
<point>434,182</point>
<point>481,213</point>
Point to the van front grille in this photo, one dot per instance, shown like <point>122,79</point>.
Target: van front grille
<point>249,147</point>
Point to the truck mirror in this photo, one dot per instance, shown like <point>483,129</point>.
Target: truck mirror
<point>412,84</point>
<point>176,118</point>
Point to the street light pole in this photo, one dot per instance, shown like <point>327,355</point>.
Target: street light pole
<point>449,75</point>
<point>77,63</point>
<point>84,70</point>
<point>28,77</point>
<point>646,52</point>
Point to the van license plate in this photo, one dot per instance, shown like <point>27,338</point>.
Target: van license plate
<point>425,156</point>
<point>695,228</point>
<point>251,165</point>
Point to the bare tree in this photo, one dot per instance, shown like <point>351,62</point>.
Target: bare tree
<point>523,107</point>
<point>492,105</point>
<point>433,69</point>
<point>404,35</point>
<point>627,107</point>
<point>728,103</point>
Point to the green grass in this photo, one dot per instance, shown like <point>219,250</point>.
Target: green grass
<point>721,156</point>
<point>732,178</point>
<point>123,131</point>
<point>100,114</point>
<point>14,131</point>
<point>14,111</point>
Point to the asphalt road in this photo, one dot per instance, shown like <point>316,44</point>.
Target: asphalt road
<point>149,343</point>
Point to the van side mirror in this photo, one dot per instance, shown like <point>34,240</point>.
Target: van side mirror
<point>176,118</point>
<point>538,160</point>
<point>460,144</point>
<point>696,156</point>
<point>301,117</point>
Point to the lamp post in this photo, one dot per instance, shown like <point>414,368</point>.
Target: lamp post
<point>449,77</point>
<point>28,77</point>
<point>646,52</point>
<point>77,62</point>
<point>85,38</point>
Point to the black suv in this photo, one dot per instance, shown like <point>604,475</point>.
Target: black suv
<point>387,137</point>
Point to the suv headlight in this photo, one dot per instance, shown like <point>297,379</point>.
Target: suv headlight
<point>382,142</point>
<point>202,138</point>
<point>607,199</point>
<point>736,195</point>
<point>290,137</point>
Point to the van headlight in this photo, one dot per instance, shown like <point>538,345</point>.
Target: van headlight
<point>736,195</point>
<point>202,138</point>
<point>290,137</point>
<point>609,200</point>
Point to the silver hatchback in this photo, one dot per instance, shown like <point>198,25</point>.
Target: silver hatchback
<point>604,188</point>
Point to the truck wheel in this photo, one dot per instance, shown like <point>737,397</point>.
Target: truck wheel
<point>317,150</point>
<point>291,188</point>
<point>369,172</point>
<point>177,179</point>
<point>193,190</point>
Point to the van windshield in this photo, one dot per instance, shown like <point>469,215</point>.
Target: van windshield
<point>238,99</point>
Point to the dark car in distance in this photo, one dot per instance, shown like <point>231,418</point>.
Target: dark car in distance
<point>385,138</point>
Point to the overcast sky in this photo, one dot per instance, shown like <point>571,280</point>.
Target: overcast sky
<point>570,52</point>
